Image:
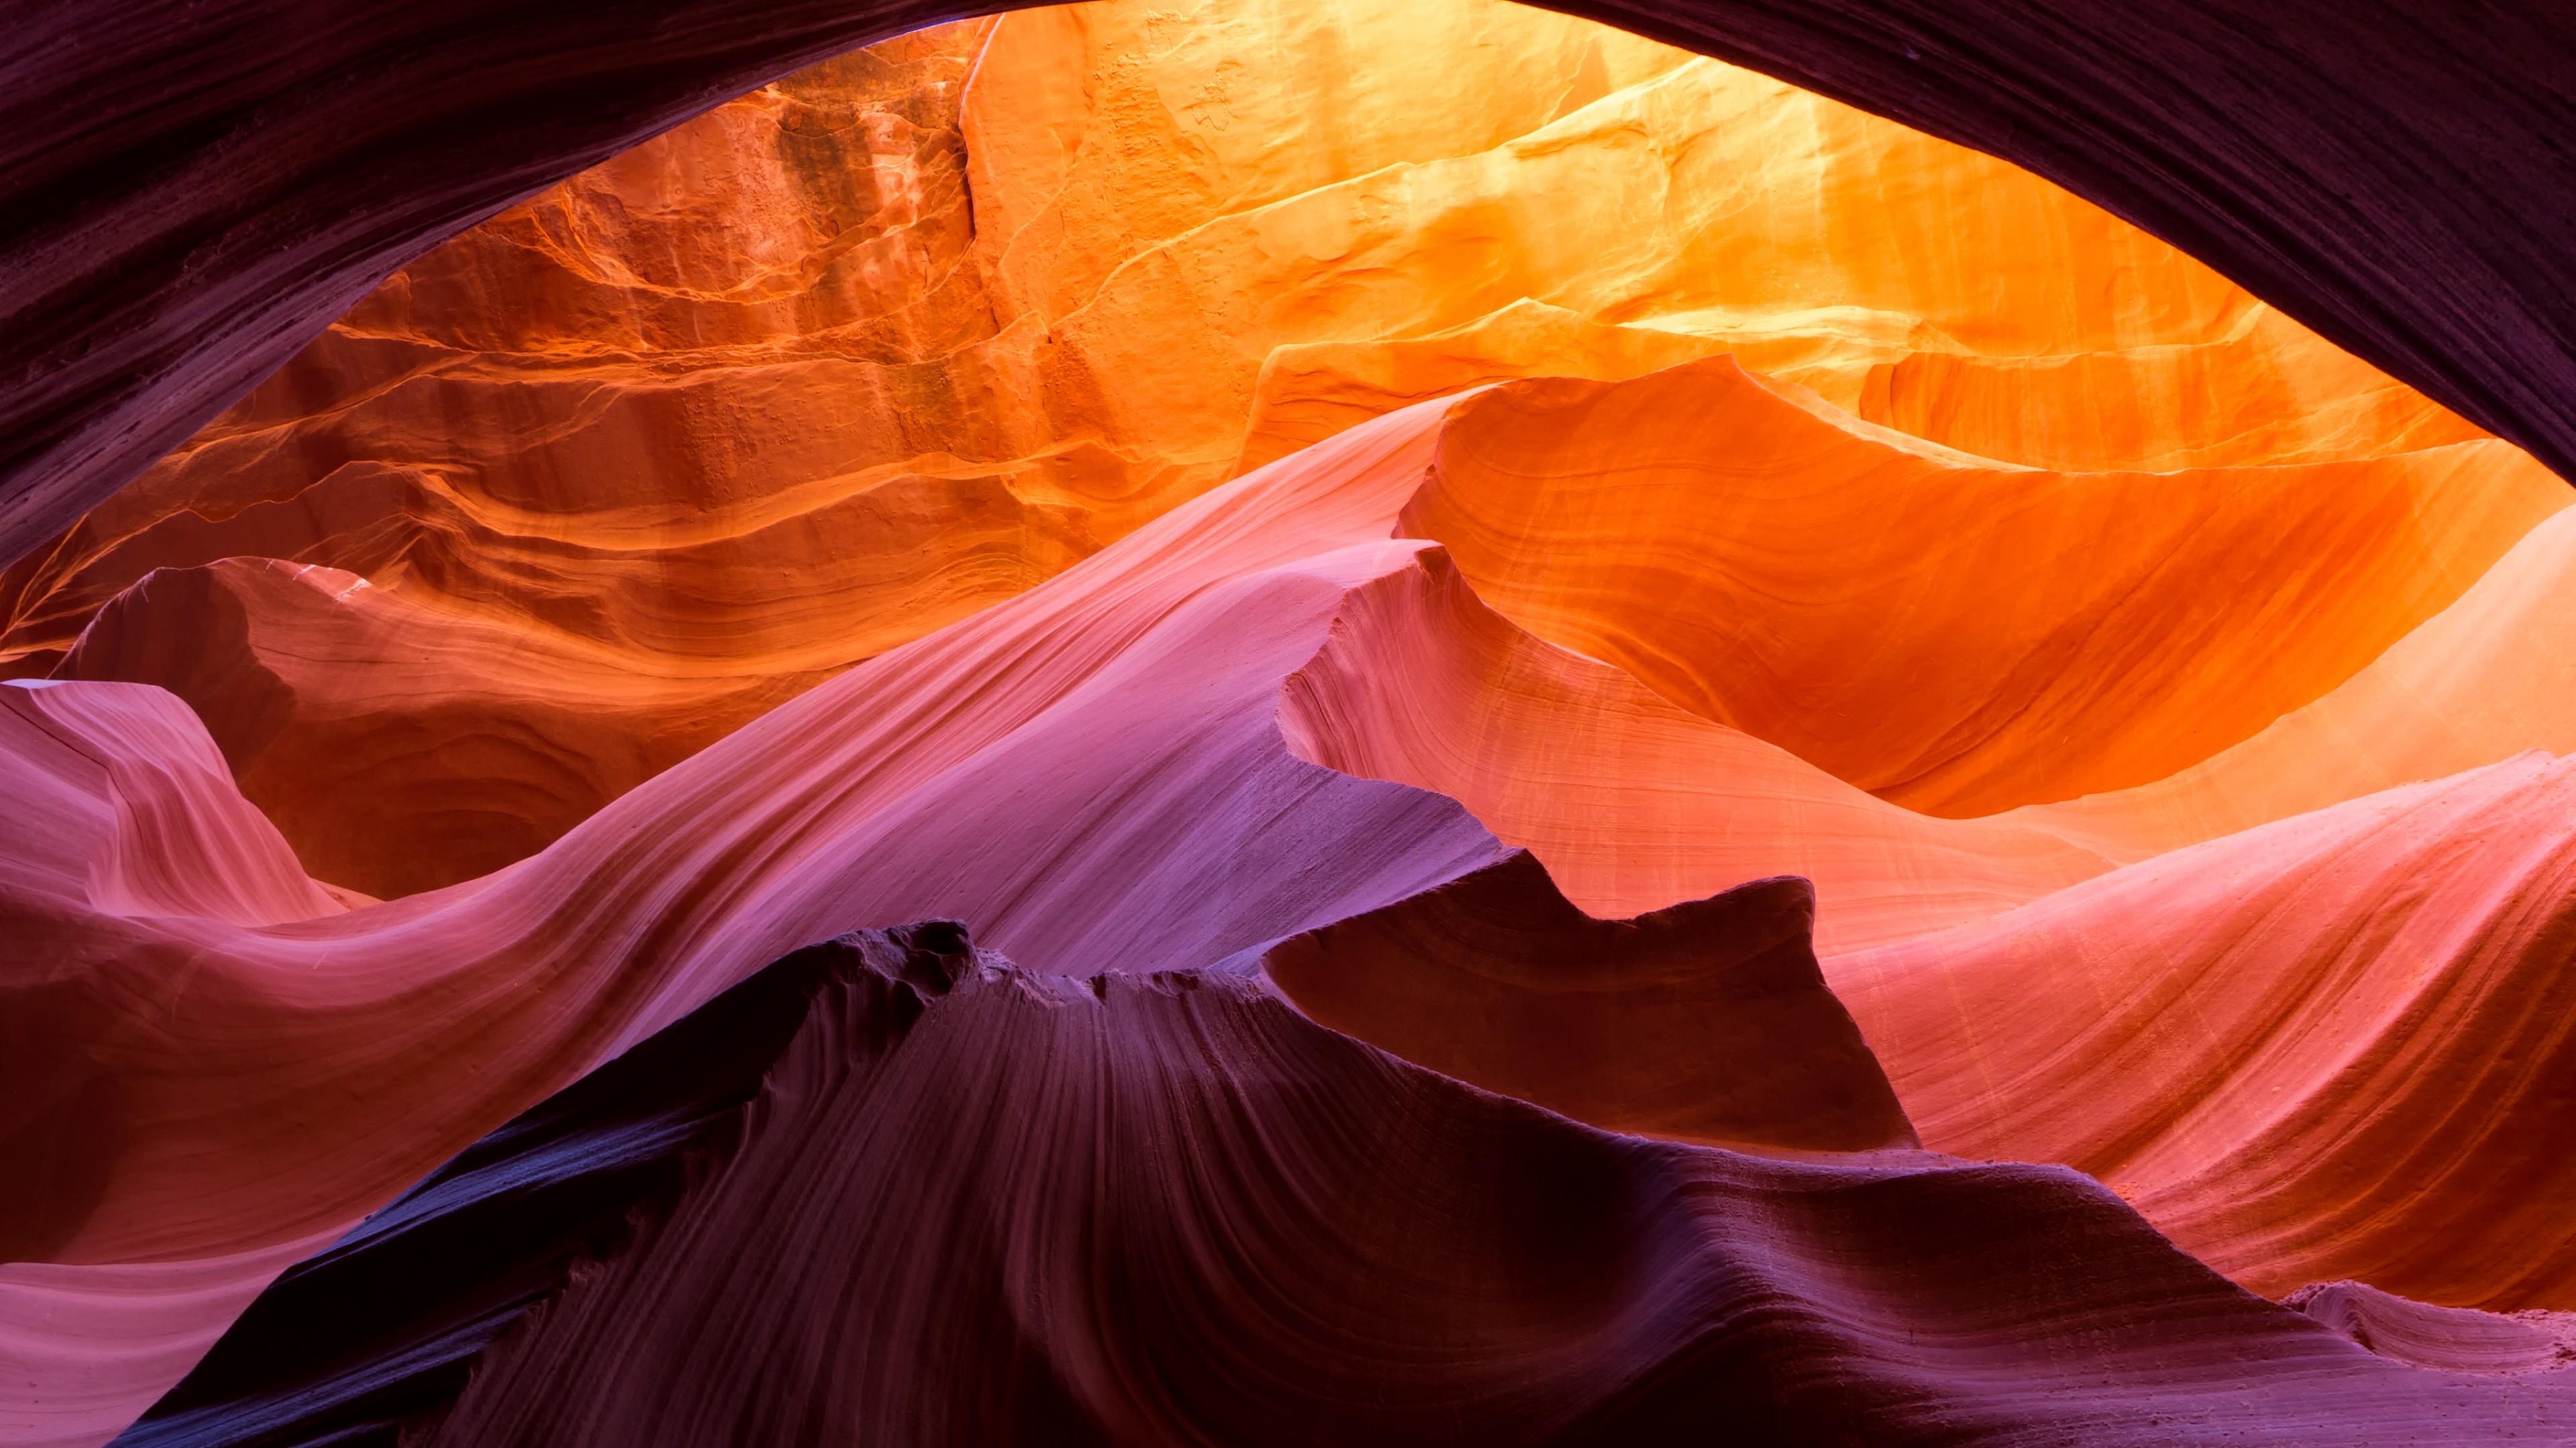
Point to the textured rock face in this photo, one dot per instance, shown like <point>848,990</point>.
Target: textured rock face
<point>897,337</point>
<point>1767,564</point>
<point>1168,1209</point>
<point>1130,783</point>
<point>1649,754</point>
<point>2267,1039</point>
<point>239,182</point>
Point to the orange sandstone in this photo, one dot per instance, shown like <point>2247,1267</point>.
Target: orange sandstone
<point>881,344</point>
<point>1953,634</point>
<point>1633,803</point>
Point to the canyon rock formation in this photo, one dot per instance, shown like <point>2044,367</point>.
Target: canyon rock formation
<point>2388,170</point>
<point>1146,1232</point>
<point>868,350</point>
<point>1229,722</point>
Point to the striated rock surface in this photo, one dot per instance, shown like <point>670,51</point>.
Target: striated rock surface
<point>1165,1208</point>
<point>238,184</point>
<point>1091,773</point>
<point>2331,1047</point>
<point>898,336</point>
<point>2451,1339</point>
<point>398,743</point>
<point>1633,802</point>
<point>1954,636</point>
<point>1553,658</point>
<point>2487,678</point>
<point>1111,772</point>
<point>387,1323</point>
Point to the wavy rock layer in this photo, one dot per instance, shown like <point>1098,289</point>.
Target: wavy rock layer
<point>2485,679</point>
<point>1092,773</point>
<point>1112,772</point>
<point>1168,1209</point>
<point>2141,680</point>
<point>237,183</point>
<point>1633,802</point>
<point>1952,635</point>
<point>386,1324</point>
<point>2316,1049</point>
<point>336,703</point>
<point>2448,1339</point>
<point>897,337</point>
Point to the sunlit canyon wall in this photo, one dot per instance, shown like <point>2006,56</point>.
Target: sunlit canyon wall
<point>1570,700</point>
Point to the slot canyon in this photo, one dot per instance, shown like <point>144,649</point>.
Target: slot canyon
<point>1270,721</point>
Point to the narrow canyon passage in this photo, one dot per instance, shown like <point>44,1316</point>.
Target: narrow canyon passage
<point>1245,719</point>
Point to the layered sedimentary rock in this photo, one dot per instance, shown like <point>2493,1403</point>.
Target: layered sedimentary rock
<point>385,1324</point>
<point>236,184</point>
<point>2329,1047</point>
<point>1633,802</point>
<point>892,339</point>
<point>2485,679</point>
<point>1955,636</point>
<point>1166,1208</point>
<point>1552,658</point>
<point>1148,815</point>
<point>331,697</point>
<point>2446,1338</point>
<point>1104,773</point>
